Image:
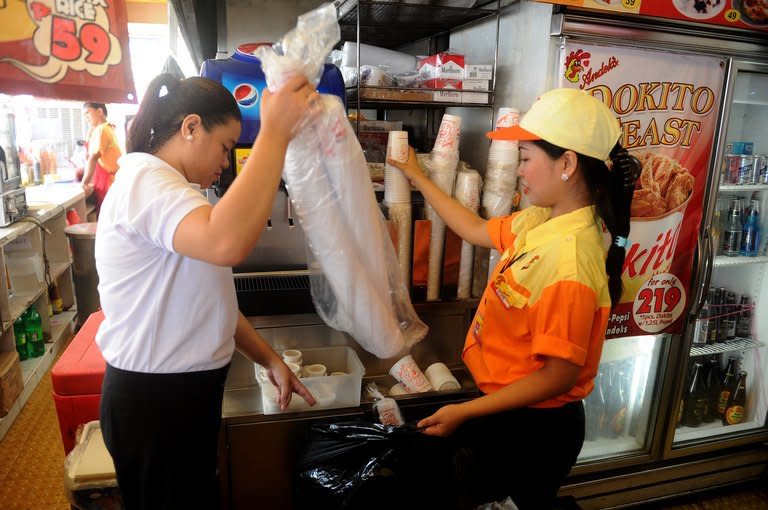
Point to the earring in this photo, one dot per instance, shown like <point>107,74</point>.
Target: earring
<point>564,176</point>
<point>189,139</point>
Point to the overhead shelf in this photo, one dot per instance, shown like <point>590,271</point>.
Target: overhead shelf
<point>393,24</point>
<point>390,97</point>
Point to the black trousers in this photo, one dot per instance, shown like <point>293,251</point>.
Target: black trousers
<point>524,453</point>
<point>162,432</point>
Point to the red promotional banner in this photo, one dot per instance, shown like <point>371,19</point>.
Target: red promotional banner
<point>668,105</point>
<point>66,49</point>
<point>749,14</point>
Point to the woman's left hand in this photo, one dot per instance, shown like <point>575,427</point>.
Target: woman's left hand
<point>444,422</point>
<point>287,384</point>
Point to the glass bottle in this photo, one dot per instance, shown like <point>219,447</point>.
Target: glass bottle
<point>725,386</point>
<point>696,401</point>
<point>54,298</point>
<point>735,412</point>
<point>713,389</point>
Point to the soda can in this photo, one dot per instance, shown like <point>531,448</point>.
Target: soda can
<point>761,168</point>
<point>744,170</point>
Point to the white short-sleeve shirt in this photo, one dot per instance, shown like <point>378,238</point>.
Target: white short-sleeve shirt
<point>164,312</point>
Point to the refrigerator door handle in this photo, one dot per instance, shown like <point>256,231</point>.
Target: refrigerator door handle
<point>704,249</point>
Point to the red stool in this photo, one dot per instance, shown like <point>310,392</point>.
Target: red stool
<point>76,378</point>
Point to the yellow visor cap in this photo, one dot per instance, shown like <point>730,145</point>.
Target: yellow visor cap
<point>569,118</point>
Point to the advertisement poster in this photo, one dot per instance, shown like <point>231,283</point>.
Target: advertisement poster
<point>749,14</point>
<point>66,49</point>
<point>668,106</point>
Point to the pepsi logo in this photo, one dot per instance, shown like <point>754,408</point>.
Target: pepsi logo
<point>246,95</point>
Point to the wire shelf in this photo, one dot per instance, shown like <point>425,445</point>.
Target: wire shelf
<point>725,261</point>
<point>737,344</point>
<point>393,24</point>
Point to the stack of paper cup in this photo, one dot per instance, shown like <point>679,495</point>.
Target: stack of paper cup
<point>441,378</point>
<point>501,174</point>
<point>442,164</point>
<point>408,372</point>
<point>397,196</point>
<point>468,183</point>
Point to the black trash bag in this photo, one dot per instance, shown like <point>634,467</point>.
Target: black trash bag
<point>363,465</point>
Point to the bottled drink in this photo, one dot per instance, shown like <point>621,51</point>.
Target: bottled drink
<point>701,331</point>
<point>696,401</point>
<point>735,410</point>
<point>733,231</point>
<point>21,338</point>
<point>715,312</point>
<point>34,330</point>
<point>725,386</point>
<point>713,389</point>
<point>594,410</point>
<point>732,311</point>
<point>750,239</point>
<point>744,322</point>
<point>54,298</point>
<point>619,399</point>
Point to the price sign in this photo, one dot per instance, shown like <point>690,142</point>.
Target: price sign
<point>67,49</point>
<point>659,302</point>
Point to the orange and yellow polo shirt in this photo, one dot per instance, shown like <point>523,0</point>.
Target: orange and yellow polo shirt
<point>547,297</point>
<point>102,139</point>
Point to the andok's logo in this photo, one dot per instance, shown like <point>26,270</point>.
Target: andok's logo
<point>577,68</point>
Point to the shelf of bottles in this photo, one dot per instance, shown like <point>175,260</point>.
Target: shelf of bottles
<point>715,401</point>
<point>740,188</point>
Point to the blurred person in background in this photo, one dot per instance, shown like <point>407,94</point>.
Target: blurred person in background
<point>103,151</point>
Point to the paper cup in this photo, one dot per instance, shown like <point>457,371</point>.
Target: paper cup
<point>507,117</point>
<point>292,356</point>
<point>314,370</point>
<point>397,189</point>
<point>441,378</point>
<point>295,368</point>
<point>408,372</point>
<point>448,135</point>
<point>397,146</point>
<point>398,389</point>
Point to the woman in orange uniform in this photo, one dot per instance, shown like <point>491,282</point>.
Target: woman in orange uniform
<point>535,342</point>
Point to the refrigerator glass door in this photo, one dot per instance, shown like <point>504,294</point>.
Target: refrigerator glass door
<point>619,411</point>
<point>732,329</point>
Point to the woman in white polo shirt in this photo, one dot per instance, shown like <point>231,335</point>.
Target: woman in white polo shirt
<point>164,258</point>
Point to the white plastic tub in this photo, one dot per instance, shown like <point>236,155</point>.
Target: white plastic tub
<point>330,391</point>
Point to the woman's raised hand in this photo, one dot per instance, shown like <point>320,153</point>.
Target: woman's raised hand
<point>282,110</point>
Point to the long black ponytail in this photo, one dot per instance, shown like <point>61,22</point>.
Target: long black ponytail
<point>611,191</point>
<point>160,114</point>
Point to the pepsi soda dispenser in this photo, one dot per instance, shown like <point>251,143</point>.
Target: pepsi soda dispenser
<point>241,74</point>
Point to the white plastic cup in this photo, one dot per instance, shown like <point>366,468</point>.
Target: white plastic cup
<point>441,378</point>
<point>314,370</point>
<point>408,372</point>
<point>292,356</point>
<point>295,368</point>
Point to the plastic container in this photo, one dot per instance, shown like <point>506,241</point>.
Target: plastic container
<point>330,391</point>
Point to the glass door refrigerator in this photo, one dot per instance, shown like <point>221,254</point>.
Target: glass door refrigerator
<point>722,391</point>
